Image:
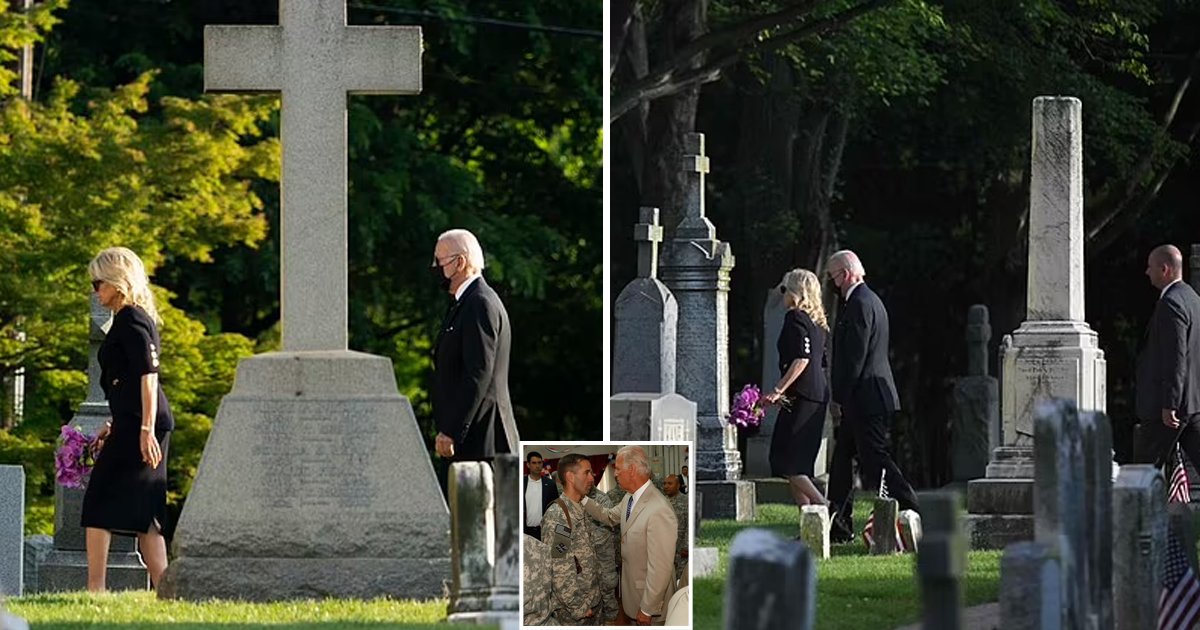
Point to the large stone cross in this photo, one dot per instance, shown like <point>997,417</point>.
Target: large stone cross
<point>314,59</point>
<point>648,235</point>
<point>695,224</point>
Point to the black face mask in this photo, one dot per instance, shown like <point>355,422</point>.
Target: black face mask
<point>441,278</point>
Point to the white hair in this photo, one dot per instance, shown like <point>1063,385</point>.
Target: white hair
<point>850,261</point>
<point>469,244</point>
<point>635,458</point>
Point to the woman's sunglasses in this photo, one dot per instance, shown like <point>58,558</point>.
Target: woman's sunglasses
<point>96,284</point>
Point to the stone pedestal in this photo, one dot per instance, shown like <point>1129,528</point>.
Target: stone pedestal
<point>646,417</point>
<point>729,499</point>
<point>314,483</point>
<point>65,568</point>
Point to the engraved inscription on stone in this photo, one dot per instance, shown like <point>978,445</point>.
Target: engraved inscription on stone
<point>318,459</point>
<point>670,430</point>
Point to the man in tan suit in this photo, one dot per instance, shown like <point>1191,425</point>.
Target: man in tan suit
<point>648,532</point>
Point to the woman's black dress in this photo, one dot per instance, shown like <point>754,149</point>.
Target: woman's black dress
<point>124,495</point>
<point>799,428</point>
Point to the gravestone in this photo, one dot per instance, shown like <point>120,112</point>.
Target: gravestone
<point>37,549</point>
<point>1054,353</point>
<point>64,568</point>
<point>941,561</point>
<point>703,560</point>
<point>696,268</point>
<point>11,622</point>
<point>1030,593</point>
<point>1058,497</point>
<point>1098,515</point>
<point>885,515</point>
<point>12,530</point>
<point>975,409</point>
<point>315,481</point>
<point>814,529</point>
<point>1139,545</point>
<point>772,583</point>
<point>483,538</point>
<point>644,417</point>
<point>646,318</point>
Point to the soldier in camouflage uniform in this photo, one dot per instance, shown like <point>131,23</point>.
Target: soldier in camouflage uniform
<point>606,540</point>
<point>679,503</point>
<point>574,575</point>
<point>536,580</point>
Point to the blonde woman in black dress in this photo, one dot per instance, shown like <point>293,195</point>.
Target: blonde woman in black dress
<point>127,492</point>
<point>800,426</point>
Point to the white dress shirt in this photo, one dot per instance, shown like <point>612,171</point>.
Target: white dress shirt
<point>462,288</point>
<point>533,503</point>
<point>1169,285</point>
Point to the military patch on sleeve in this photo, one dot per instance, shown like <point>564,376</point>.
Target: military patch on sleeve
<point>561,542</point>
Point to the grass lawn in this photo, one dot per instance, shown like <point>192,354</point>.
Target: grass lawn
<point>143,610</point>
<point>854,590</point>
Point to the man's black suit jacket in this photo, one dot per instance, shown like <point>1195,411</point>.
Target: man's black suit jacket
<point>470,391</point>
<point>1168,367</point>
<point>862,377</point>
<point>549,491</point>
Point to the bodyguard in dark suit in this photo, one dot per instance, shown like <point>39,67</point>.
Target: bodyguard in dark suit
<point>1167,396</point>
<point>535,508</point>
<point>471,406</point>
<point>863,388</point>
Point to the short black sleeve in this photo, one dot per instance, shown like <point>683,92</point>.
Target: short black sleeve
<point>796,339</point>
<point>140,343</point>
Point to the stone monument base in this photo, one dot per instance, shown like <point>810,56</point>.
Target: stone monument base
<point>728,499</point>
<point>314,483</point>
<point>66,570</point>
<point>1000,506</point>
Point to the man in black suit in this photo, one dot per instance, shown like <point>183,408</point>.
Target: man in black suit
<point>864,395</point>
<point>1167,396</point>
<point>471,407</point>
<point>537,495</point>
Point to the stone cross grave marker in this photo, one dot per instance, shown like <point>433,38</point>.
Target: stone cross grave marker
<point>313,59</point>
<point>646,318</point>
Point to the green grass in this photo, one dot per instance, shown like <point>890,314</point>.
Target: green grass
<point>854,590</point>
<point>143,610</point>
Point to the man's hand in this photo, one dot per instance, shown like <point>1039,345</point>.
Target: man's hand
<point>444,445</point>
<point>643,619</point>
<point>1169,418</point>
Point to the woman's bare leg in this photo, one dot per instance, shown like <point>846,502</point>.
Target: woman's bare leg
<point>97,541</point>
<point>154,553</point>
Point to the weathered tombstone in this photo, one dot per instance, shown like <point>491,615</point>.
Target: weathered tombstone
<point>315,480</point>
<point>883,540</point>
<point>772,583</point>
<point>1139,545</point>
<point>696,267</point>
<point>1030,592</point>
<point>483,537</point>
<point>12,530</point>
<point>1098,515</point>
<point>1058,497</point>
<point>646,318</point>
<point>65,567</point>
<point>1054,353</point>
<point>975,409</point>
<point>645,417</point>
<point>941,561</point>
<point>703,560</point>
<point>37,549</point>
<point>814,529</point>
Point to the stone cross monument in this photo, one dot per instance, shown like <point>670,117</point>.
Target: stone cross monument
<point>696,267</point>
<point>315,481</point>
<point>647,318</point>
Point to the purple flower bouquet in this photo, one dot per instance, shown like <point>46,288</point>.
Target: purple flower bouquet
<point>747,411</point>
<point>73,460</point>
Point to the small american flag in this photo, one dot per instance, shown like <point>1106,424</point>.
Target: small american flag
<point>1179,604</point>
<point>869,529</point>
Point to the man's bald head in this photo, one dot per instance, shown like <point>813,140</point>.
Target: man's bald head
<point>1164,265</point>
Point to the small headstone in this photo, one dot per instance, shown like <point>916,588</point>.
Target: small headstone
<point>37,549</point>
<point>506,472</point>
<point>1139,545</point>
<point>772,583</point>
<point>646,318</point>
<point>1058,502</point>
<point>1030,588</point>
<point>12,530</point>
<point>883,542</point>
<point>472,543</point>
<point>647,417</point>
<point>942,561</point>
<point>12,622</point>
<point>814,529</point>
<point>1098,515</point>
